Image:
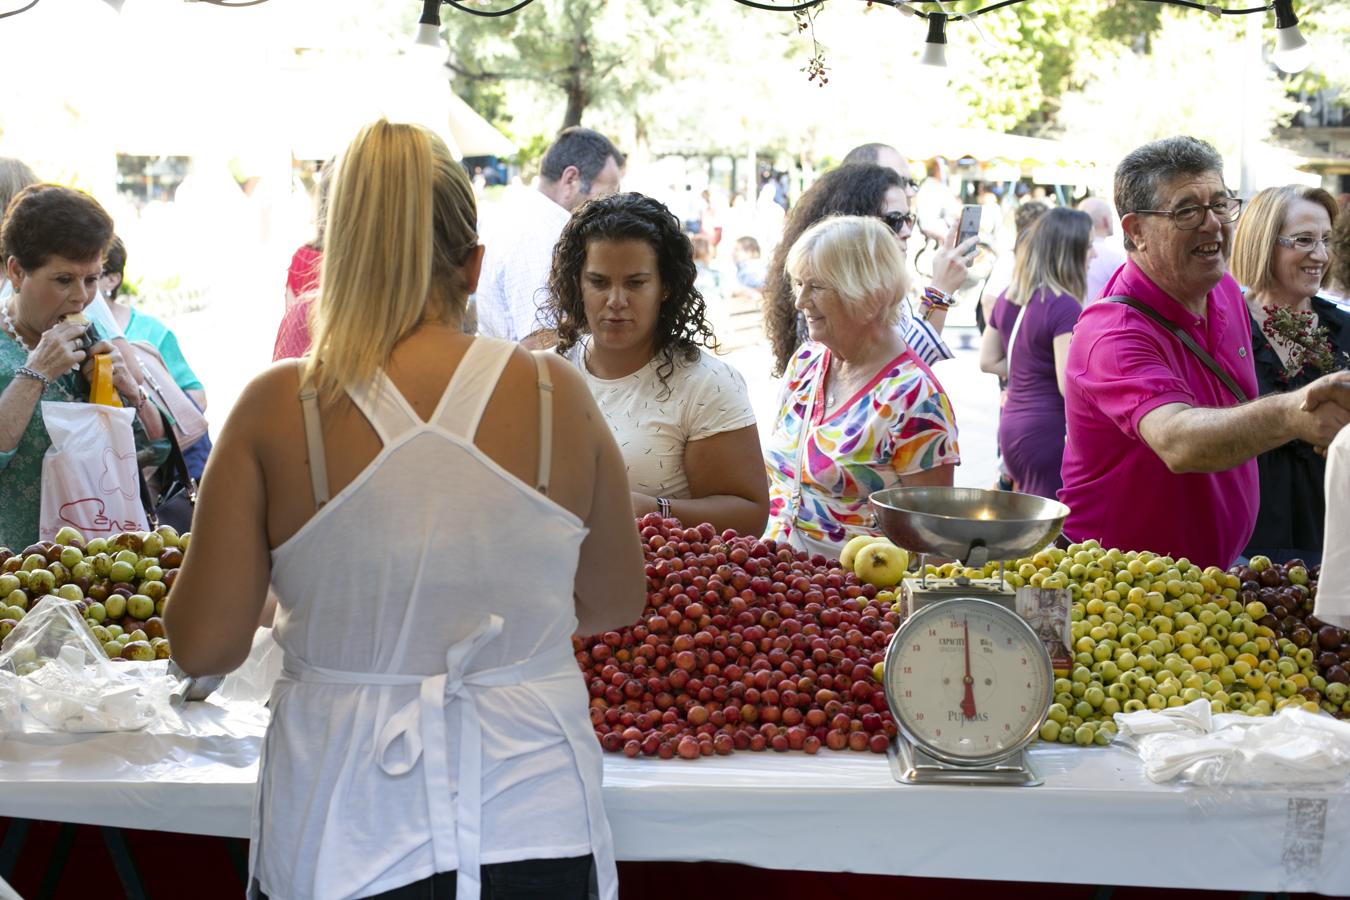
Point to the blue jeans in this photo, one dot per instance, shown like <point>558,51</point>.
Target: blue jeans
<point>529,879</point>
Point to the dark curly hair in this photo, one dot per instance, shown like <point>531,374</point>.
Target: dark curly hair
<point>681,326</point>
<point>852,190</point>
<point>1340,253</point>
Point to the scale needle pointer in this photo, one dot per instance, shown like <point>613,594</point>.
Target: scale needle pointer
<point>968,703</point>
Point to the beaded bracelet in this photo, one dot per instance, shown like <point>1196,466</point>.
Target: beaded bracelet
<point>937,298</point>
<point>25,372</point>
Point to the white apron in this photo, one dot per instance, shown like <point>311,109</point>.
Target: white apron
<point>393,734</point>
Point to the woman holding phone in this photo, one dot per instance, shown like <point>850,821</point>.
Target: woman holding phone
<point>879,192</point>
<point>1028,344</point>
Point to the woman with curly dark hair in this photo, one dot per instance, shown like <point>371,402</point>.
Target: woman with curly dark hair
<point>629,317</point>
<point>862,190</point>
<point>1338,276</point>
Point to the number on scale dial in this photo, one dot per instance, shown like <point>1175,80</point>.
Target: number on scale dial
<point>968,679</point>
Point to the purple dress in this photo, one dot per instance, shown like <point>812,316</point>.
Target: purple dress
<point>1031,427</point>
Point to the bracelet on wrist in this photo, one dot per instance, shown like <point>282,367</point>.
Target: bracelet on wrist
<point>663,507</point>
<point>938,299</point>
<point>34,374</point>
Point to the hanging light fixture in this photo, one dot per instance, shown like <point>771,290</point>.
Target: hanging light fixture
<point>1292,53</point>
<point>115,4</point>
<point>429,25</point>
<point>935,45</point>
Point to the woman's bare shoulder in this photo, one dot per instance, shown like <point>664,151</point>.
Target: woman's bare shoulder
<point>269,393</point>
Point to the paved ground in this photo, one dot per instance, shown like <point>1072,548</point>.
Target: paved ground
<point>230,341</point>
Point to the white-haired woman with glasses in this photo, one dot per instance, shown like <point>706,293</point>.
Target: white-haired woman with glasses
<point>860,411</point>
<point>1281,255</point>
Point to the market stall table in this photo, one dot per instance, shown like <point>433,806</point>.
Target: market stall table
<point>1096,819</point>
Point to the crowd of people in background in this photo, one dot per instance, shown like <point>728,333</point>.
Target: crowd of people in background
<point>558,357</point>
<point>1289,259</point>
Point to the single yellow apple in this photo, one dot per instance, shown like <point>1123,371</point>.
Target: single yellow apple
<point>855,544</point>
<point>881,564</point>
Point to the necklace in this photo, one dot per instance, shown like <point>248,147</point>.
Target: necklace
<point>13,331</point>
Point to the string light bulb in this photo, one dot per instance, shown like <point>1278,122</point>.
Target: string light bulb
<point>935,45</point>
<point>429,25</point>
<point>1292,53</point>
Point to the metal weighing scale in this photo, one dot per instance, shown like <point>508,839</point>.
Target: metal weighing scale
<point>967,679</point>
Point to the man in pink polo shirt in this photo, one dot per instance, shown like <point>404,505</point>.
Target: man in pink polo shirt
<point>1160,453</point>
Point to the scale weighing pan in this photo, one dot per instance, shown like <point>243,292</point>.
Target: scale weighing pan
<point>968,524</point>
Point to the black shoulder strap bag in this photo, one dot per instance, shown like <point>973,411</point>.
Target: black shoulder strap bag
<point>178,492</point>
<point>1188,341</point>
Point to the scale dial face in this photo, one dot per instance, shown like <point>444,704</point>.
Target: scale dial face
<point>968,709</point>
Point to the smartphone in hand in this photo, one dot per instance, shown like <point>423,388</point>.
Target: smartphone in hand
<point>969,226</point>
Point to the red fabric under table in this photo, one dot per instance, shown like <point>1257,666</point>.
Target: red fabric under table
<point>173,866</point>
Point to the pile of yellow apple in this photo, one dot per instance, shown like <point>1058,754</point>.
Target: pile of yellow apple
<point>120,584</point>
<point>875,560</point>
<point>1150,632</point>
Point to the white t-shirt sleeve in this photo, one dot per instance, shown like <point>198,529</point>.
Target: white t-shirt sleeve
<point>1333,589</point>
<point>715,399</point>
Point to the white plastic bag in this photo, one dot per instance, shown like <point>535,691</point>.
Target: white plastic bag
<point>252,682</point>
<point>101,315</point>
<point>54,677</point>
<point>89,478</point>
<point>1293,747</point>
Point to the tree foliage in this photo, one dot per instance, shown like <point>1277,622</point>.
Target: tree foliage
<point>1200,67</point>
<point>586,53</point>
<point>711,75</point>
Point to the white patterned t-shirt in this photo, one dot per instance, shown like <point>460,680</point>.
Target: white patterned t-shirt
<point>653,425</point>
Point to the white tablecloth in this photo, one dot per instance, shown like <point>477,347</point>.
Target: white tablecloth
<point>1096,820</point>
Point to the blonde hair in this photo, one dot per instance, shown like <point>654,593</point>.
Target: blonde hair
<point>1052,256</point>
<point>857,257</point>
<point>15,175</point>
<point>401,222</point>
<point>1253,263</point>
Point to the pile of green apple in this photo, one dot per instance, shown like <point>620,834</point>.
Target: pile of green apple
<point>1151,632</point>
<point>119,583</point>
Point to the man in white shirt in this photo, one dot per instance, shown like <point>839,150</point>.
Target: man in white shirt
<point>1110,256</point>
<point>1333,593</point>
<point>519,233</point>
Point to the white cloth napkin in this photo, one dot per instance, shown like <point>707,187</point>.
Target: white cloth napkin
<point>1193,718</point>
<point>1333,589</point>
<point>1292,747</point>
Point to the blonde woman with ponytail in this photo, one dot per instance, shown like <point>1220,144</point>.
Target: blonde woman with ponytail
<point>434,543</point>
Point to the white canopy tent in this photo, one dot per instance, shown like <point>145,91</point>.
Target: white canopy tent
<point>311,110</point>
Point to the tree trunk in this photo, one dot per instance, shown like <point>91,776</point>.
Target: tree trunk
<point>577,100</point>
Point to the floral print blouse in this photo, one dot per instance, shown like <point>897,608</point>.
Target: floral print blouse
<point>900,423</point>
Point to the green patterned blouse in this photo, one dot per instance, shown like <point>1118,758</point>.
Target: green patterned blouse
<point>21,468</point>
